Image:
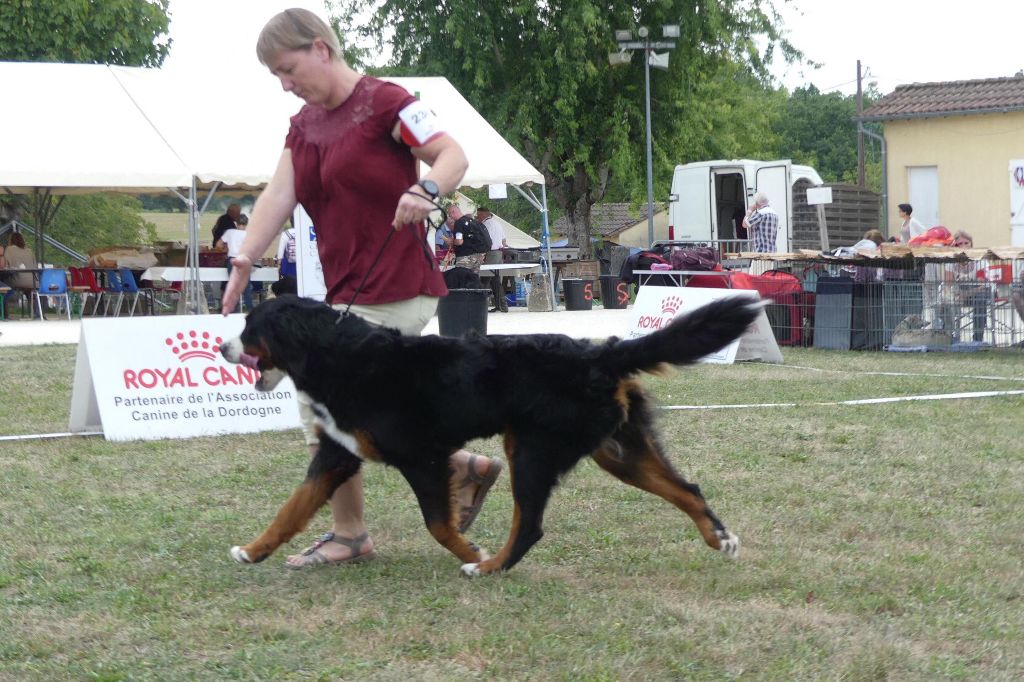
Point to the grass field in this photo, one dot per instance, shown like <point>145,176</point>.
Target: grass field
<point>880,542</point>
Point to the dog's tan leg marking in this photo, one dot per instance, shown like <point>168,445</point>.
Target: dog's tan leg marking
<point>649,471</point>
<point>292,517</point>
<point>367,448</point>
<point>496,562</point>
<point>455,542</point>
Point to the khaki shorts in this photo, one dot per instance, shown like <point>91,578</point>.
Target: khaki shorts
<point>409,317</point>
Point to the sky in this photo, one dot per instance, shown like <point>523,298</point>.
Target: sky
<point>218,37</point>
<point>897,41</point>
<point>902,41</point>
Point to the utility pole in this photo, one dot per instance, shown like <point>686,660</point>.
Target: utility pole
<point>860,135</point>
<point>625,40</point>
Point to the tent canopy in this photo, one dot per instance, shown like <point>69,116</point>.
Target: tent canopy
<point>74,126</point>
<point>96,127</point>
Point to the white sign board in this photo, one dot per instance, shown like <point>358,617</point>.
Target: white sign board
<point>819,195</point>
<point>309,274</point>
<point>146,378</point>
<point>497,191</point>
<point>655,307</point>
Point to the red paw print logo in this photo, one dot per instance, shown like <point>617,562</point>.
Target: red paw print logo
<point>194,344</point>
<point>671,305</point>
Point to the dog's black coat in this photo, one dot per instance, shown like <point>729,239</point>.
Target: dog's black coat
<point>412,401</point>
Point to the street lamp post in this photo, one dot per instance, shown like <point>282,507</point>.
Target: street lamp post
<point>626,42</point>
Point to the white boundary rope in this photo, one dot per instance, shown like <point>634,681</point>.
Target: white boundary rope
<point>904,374</point>
<point>41,436</point>
<point>862,401</point>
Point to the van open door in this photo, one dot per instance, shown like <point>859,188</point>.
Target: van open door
<point>690,210</point>
<point>773,178</point>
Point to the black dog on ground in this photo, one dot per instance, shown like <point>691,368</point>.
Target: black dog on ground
<point>383,397</point>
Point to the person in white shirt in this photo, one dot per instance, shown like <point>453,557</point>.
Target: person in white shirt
<point>498,242</point>
<point>233,239</point>
<point>911,227</point>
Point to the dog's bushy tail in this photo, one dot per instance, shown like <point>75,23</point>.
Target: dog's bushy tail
<point>686,339</point>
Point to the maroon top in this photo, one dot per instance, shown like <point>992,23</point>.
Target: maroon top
<point>349,175</point>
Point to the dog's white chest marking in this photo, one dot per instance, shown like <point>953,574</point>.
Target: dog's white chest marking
<point>330,429</point>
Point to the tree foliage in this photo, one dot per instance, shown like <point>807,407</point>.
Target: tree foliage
<point>819,130</point>
<point>539,73</point>
<point>124,32</point>
<point>87,221</point>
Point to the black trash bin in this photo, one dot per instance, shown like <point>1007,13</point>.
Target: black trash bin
<point>462,311</point>
<point>614,292</point>
<point>579,294</point>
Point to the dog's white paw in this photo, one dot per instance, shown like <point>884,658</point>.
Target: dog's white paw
<point>729,544</point>
<point>239,555</point>
<point>471,570</point>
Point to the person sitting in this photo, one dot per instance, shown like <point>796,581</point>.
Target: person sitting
<point>961,288</point>
<point>19,257</point>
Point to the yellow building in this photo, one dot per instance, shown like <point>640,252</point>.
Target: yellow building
<point>949,146</point>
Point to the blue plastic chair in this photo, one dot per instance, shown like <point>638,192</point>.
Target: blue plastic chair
<point>130,289</point>
<point>114,290</point>
<point>53,283</point>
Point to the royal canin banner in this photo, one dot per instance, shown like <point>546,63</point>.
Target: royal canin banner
<point>655,307</point>
<point>147,378</point>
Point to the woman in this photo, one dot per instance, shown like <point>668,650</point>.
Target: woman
<point>911,227</point>
<point>19,257</point>
<point>351,158</point>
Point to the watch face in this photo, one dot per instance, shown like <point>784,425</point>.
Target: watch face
<point>430,186</point>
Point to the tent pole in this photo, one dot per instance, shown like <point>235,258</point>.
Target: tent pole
<point>546,243</point>
<point>193,245</point>
<point>545,237</point>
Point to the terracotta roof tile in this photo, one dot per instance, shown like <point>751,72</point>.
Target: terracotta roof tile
<point>920,100</point>
<point>608,220</point>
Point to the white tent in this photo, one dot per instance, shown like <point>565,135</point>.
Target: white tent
<point>73,126</point>
<point>112,127</point>
<point>93,127</point>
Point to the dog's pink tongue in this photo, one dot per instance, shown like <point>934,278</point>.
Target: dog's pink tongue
<point>250,361</point>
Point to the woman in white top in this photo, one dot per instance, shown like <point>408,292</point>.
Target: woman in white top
<point>233,239</point>
<point>911,227</point>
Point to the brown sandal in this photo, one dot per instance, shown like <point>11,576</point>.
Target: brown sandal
<point>314,557</point>
<point>467,515</point>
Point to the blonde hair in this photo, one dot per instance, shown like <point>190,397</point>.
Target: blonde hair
<point>295,29</point>
<point>875,236</point>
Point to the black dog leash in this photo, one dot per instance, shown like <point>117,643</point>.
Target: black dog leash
<point>428,254</point>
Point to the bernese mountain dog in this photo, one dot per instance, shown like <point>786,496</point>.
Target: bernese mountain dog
<point>383,397</point>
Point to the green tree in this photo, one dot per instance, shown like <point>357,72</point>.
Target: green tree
<point>819,129</point>
<point>539,73</point>
<point>86,221</point>
<point>125,32</point>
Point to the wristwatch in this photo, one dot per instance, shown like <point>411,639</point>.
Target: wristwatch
<point>430,187</point>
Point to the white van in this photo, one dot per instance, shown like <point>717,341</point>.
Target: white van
<point>709,196</point>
